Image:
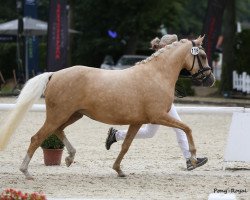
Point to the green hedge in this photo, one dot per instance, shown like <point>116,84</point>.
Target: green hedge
<point>242,49</point>
<point>185,86</point>
<point>8,59</point>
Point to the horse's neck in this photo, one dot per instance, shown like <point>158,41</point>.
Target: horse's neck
<point>165,68</point>
<point>174,64</point>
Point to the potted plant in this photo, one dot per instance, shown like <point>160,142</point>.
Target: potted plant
<point>52,150</point>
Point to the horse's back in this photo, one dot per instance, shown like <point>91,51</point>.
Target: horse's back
<point>99,94</point>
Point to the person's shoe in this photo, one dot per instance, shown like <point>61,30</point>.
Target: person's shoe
<point>111,138</point>
<point>200,162</point>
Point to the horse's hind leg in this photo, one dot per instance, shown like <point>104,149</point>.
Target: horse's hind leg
<point>36,141</point>
<point>71,150</point>
<point>61,135</point>
<point>133,129</point>
<point>52,123</point>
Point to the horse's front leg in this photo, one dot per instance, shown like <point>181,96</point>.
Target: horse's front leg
<point>61,135</point>
<point>133,129</point>
<point>167,120</point>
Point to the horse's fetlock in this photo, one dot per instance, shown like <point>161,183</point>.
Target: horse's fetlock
<point>23,170</point>
<point>72,152</point>
<point>193,160</point>
<point>69,160</point>
<point>116,168</point>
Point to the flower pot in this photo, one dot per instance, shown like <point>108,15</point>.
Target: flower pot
<point>52,156</point>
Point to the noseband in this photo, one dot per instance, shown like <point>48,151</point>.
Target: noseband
<point>195,52</point>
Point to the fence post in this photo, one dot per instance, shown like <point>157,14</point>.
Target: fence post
<point>234,79</point>
<point>244,82</point>
<point>241,82</point>
<point>248,84</point>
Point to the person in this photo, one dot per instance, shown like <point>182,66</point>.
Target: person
<point>149,130</point>
<point>108,62</point>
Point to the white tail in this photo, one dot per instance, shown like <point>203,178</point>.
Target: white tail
<point>31,92</point>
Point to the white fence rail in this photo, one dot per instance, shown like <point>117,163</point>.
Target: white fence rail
<point>180,109</point>
<point>241,82</point>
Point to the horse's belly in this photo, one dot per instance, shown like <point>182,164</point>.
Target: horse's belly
<point>115,117</point>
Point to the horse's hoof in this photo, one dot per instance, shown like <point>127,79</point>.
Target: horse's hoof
<point>29,178</point>
<point>26,174</point>
<point>68,161</point>
<point>121,174</point>
<point>193,161</point>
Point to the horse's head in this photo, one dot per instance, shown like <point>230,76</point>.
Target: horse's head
<point>196,63</point>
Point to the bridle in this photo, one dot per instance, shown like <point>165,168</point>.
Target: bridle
<point>198,76</point>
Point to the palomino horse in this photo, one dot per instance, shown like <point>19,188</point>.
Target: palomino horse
<point>138,95</point>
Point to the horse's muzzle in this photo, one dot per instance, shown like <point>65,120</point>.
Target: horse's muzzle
<point>207,81</point>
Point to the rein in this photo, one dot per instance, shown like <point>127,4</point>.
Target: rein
<point>195,52</point>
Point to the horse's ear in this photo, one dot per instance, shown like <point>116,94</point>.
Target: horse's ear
<point>155,43</point>
<point>202,38</point>
<point>199,40</point>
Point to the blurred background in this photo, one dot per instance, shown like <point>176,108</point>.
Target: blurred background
<point>43,35</point>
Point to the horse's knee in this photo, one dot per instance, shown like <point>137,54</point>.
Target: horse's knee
<point>188,130</point>
<point>36,141</point>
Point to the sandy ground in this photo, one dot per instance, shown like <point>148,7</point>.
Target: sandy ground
<point>155,167</point>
